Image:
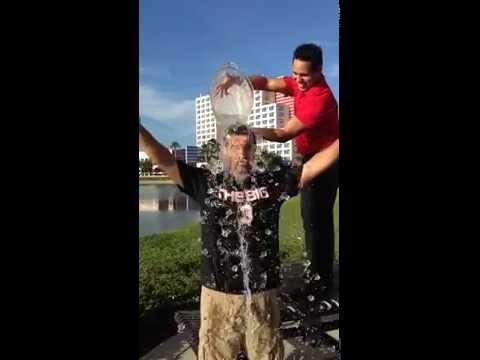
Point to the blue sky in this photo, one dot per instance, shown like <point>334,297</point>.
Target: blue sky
<point>184,42</point>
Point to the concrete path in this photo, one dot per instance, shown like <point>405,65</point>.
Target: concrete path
<point>177,348</point>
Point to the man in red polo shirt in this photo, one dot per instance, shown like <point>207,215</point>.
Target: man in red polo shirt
<point>314,128</point>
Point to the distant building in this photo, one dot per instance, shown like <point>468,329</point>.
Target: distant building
<point>142,155</point>
<point>179,154</point>
<point>285,100</point>
<point>205,121</point>
<point>267,113</point>
<point>190,154</point>
<point>193,155</point>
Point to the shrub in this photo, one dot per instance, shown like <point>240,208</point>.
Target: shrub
<point>169,268</point>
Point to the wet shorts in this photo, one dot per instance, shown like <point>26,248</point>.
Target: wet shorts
<point>229,325</point>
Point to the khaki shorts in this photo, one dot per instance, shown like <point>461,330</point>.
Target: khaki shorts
<point>229,326</point>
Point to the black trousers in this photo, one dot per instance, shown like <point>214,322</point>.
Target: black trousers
<point>317,201</point>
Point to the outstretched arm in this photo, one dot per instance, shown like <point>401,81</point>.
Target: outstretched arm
<point>320,162</point>
<point>263,83</point>
<point>159,155</point>
<point>258,82</point>
<point>293,128</point>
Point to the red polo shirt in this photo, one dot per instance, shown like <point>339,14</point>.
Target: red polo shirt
<point>317,109</point>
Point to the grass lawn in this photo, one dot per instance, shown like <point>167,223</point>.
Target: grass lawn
<point>291,229</point>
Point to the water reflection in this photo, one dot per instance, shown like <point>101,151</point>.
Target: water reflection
<point>172,203</point>
<point>164,207</point>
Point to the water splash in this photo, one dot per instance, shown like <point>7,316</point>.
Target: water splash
<point>226,232</point>
<point>181,328</point>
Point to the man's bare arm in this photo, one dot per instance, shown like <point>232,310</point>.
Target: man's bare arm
<point>159,155</point>
<point>320,162</point>
<point>263,83</point>
<point>293,128</point>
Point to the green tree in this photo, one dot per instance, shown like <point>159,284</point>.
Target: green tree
<point>145,166</point>
<point>210,150</point>
<point>175,145</point>
<point>269,160</point>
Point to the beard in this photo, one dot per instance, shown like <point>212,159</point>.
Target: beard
<point>240,176</point>
<point>240,173</point>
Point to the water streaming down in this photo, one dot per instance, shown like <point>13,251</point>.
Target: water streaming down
<point>246,266</point>
<point>232,110</point>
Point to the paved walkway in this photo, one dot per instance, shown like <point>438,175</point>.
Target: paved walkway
<point>177,348</point>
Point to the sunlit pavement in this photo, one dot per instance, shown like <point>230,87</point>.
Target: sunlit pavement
<point>177,348</point>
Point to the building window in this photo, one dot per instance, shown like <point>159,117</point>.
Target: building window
<point>270,107</point>
<point>286,152</point>
<point>264,115</point>
<point>257,117</point>
<point>271,114</point>
<point>264,109</point>
<point>257,104</point>
<point>257,123</point>
<point>257,111</point>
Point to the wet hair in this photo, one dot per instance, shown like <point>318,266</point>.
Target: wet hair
<point>311,53</point>
<point>236,129</point>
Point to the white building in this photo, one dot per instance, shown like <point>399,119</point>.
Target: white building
<point>204,120</point>
<point>265,113</point>
<point>142,156</point>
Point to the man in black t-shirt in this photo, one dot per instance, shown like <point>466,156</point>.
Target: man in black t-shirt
<point>240,210</point>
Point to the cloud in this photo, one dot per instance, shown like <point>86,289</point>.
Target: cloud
<point>164,107</point>
<point>162,71</point>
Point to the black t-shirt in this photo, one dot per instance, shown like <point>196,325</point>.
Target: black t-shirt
<point>240,226</point>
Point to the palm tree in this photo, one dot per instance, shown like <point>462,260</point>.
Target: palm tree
<point>175,145</point>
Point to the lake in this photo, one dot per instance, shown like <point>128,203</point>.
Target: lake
<point>163,207</point>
